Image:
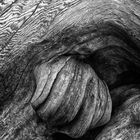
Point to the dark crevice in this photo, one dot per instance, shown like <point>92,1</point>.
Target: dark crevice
<point>116,66</point>
<point>90,135</point>
<point>123,93</point>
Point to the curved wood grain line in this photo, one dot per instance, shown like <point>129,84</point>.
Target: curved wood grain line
<point>22,25</point>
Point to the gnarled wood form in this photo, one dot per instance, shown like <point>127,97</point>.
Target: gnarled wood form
<point>125,121</point>
<point>34,34</point>
<point>70,97</point>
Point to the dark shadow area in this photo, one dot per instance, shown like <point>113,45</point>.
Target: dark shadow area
<point>116,65</point>
<point>90,135</point>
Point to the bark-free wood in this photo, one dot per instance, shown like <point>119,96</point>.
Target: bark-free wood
<point>25,23</point>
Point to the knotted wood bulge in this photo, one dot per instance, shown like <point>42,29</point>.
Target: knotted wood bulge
<point>70,97</point>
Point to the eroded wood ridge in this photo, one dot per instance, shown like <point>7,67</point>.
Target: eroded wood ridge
<point>60,60</point>
<point>25,23</point>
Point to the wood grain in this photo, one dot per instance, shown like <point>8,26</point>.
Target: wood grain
<point>26,23</point>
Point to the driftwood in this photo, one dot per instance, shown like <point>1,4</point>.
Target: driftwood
<point>101,34</point>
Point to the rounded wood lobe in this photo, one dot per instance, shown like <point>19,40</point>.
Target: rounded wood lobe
<point>70,97</point>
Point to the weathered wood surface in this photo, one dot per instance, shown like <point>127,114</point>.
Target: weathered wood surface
<point>25,23</point>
